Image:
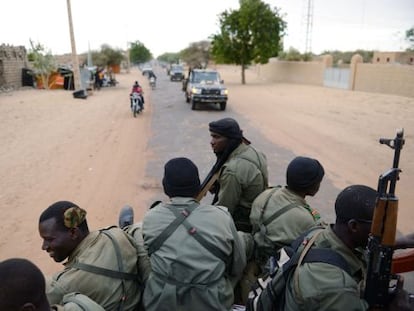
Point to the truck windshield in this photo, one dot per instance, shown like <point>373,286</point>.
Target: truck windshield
<point>206,76</point>
<point>177,68</point>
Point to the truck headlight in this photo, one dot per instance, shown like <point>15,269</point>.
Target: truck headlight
<point>224,92</point>
<point>195,90</point>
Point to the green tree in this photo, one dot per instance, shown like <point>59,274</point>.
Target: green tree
<point>197,54</point>
<point>169,57</point>
<point>291,55</point>
<point>252,33</point>
<point>107,56</point>
<point>409,37</point>
<point>43,62</point>
<point>346,56</point>
<point>138,53</point>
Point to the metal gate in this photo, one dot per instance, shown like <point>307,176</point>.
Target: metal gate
<point>337,77</point>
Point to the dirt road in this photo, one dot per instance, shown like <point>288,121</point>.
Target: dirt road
<point>93,152</point>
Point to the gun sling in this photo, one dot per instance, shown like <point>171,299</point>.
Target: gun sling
<point>181,218</point>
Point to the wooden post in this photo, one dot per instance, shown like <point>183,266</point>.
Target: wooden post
<point>75,62</point>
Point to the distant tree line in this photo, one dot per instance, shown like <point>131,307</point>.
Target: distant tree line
<point>249,35</point>
<point>338,56</point>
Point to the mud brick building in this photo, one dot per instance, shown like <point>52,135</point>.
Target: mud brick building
<point>13,59</point>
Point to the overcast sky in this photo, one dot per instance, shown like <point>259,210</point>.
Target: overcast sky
<point>171,25</point>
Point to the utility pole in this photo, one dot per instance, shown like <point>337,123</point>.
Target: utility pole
<point>308,24</point>
<point>128,57</point>
<point>75,62</point>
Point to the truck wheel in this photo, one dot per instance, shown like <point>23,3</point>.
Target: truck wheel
<point>193,105</point>
<point>223,106</point>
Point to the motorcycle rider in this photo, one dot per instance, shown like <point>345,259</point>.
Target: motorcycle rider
<point>151,74</point>
<point>152,77</point>
<point>136,88</point>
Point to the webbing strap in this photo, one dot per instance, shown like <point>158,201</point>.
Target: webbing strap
<point>206,244</point>
<point>326,255</point>
<point>120,274</point>
<point>106,272</point>
<point>298,256</point>
<point>263,224</point>
<point>171,228</point>
<point>117,250</point>
<point>278,213</point>
<point>120,266</point>
<point>170,280</point>
<point>302,251</point>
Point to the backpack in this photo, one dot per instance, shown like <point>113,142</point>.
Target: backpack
<point>268,293</point>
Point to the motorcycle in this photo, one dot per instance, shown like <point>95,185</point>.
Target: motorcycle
<point>137,105</point>
<point>152,82</point>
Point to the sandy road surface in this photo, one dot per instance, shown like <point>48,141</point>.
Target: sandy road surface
<point>340,128</point>
<point>93,152</point>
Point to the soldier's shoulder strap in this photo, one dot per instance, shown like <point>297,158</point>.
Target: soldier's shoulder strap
<point>159,241</point>
<point>302,251</point>
<point>213,249</point>
<point>117,274</point>
<point>264,222</point>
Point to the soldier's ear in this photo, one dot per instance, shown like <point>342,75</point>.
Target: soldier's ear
<point>352,225</point>
<point>74,233</point>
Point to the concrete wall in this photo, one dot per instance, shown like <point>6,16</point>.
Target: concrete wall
<point>12,60</point>
<point>378,78</point>
<point>387,79</point>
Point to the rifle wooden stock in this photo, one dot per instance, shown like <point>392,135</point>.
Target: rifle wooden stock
<point>381,240</point>
<point>207,185</point>
<point>386,209</point>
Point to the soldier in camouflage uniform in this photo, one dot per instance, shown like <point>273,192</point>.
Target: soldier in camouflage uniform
<point>319,285</point>
<point>195,252</point>
<point>280,214</point>
<point>22,287</point>
<point>103,265</point>
<point>242,177</point>
<point>243,171</point>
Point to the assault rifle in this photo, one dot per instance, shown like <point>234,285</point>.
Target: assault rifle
<point>383,229</point>
<point>207,184</point>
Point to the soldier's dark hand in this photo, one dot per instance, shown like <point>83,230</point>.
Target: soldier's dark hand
<point>214,188</point>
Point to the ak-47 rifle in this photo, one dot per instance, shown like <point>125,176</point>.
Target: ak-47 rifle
<point>207,184</point>
<point>383,229</point>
